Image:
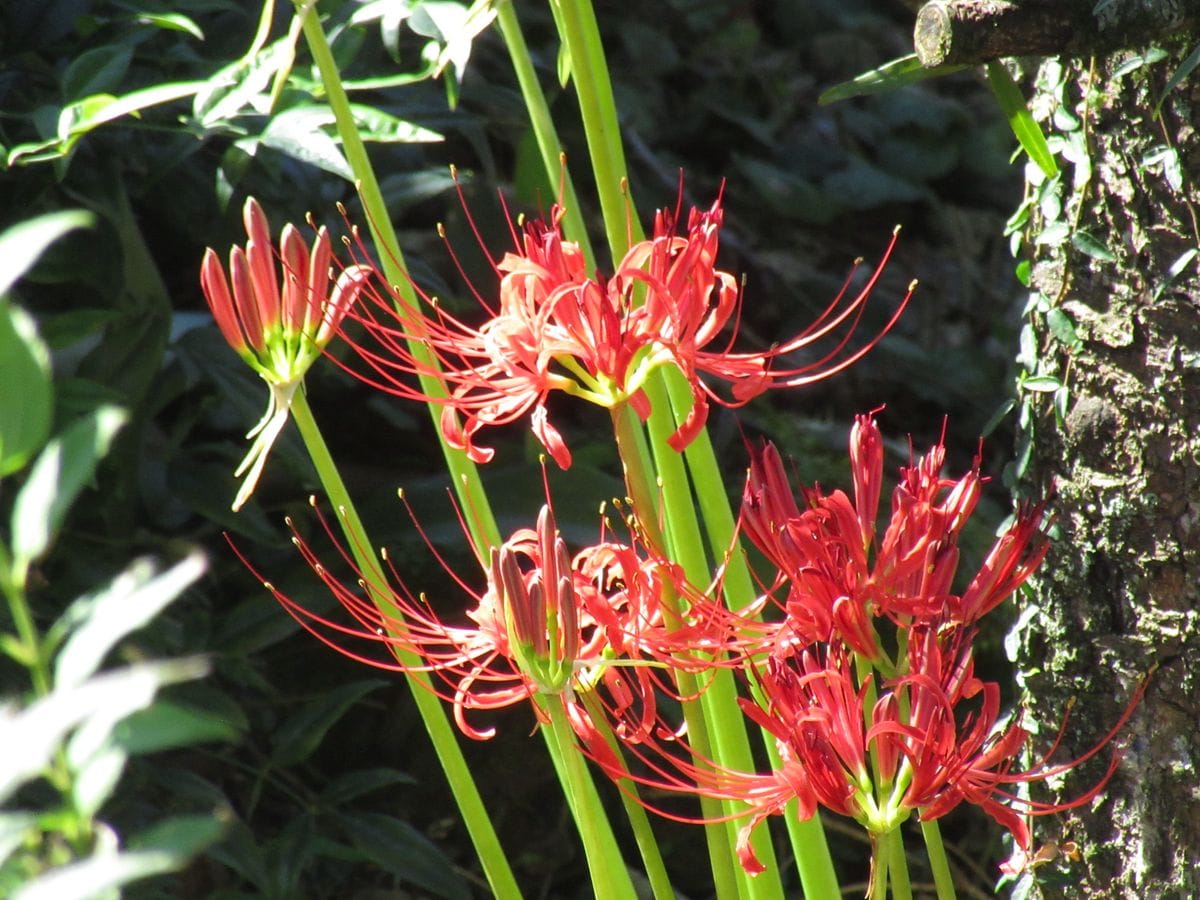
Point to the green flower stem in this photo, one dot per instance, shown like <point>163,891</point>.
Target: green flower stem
<point>879,867</point>
<point>476,509</point>
<point>807,837</point>
<point>936,850</point>
<point>34,655</point>
<point>544,132</point>
<point>726,725</point>
<point>610,877</point>
<point>593,87</point>
<point>656,870</point>
<point>29,651</point>
<point>589,69</point>
<point>445,743</point>
<point>714,728</point>
<point>897,865</point>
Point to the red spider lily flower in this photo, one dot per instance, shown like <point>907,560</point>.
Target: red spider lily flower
<point>840,576</point>
<point>279,334</point>
<point>547,625</point>
<point>812,706</point>
<point>954,746</point>
<point>935,738</point>
<point>554,328</point>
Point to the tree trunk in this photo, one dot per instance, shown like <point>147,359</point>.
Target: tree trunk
<point>1119,593</point>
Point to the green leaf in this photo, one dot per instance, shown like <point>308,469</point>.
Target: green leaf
<point>353,785</point>
<point>181,837</point>
<point>62,469</point>
<point>1177,268</point>
<point>299,134</point>
<point>27,401</point>
<point>1024,272</point>
<point>1041,384</point>
<point>167,725</point>
<point>171,22</point>
<point>1012,104</point>
<point>376,125</point>
<point>1063,328</point>
<point>998,416</point>
<point>13,828</point>
<point>33,735</point>
<point>133,598</point>
<point>242,84</point>
<point>166,848</point>
<point>889,76</point>
<point>296,739</point>
<point>1086,243</point>
<point>21,245</point>
<point>1185,69</point>
<point>397,847</point>
<point>80,117</point>
<point>1053,234</point>
<point>96,71</point>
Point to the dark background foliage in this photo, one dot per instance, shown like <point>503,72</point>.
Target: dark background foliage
<point>330,787</point>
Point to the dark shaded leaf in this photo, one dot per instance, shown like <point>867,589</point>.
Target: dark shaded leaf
<point>296,739</point>
<point>397,847</point>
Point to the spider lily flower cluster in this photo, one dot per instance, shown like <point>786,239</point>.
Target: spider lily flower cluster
<point>546,626</point>
<point>869,734</point>
<point>279,333</point>
<point>557,328</point>
<point>856,656</point>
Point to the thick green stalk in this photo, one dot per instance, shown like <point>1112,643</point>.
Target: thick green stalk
<point>593,87</point>
<point>476,509</point>
<point>445,743</point>
<point>610,877</point>
<point>640,482</point>
<point>942,879</point>
<point>544,132</point>
<point>656,870</point>
<point>897,865</point>
<point>725,735</point>
<point>31,653</point>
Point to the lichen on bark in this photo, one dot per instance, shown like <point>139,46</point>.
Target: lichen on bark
<point>1119,593</point>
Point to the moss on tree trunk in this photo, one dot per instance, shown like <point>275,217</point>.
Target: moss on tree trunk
<point>1120,590</point>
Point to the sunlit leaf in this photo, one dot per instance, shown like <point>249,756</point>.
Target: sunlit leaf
<point>171,22</point>
<point>376,125</point>
<point>241,84</point>
<point>32,736</point>
<point>21,245</point>
<point>888,77</point>
<point>1028,132</point>
<point>165,848</point>
<point>1063,328</point>
<point>13,829</point>
<point>80,117</point>
<point>299,134</point>
<point>1041,384</point>
<point>130,602</point>
<point>63,467</point>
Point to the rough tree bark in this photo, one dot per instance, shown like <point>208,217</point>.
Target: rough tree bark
<point>1120,590</point>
